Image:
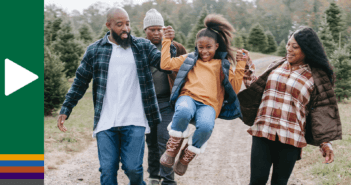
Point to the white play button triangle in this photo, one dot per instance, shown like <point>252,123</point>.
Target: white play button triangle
<point>16,77</point>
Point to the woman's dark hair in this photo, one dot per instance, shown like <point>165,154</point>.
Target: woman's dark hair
<point>313,49</point>
<point>218,28</point>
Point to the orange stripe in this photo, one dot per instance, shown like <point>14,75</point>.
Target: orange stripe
<point>21,157</point>
<point>21,169</point>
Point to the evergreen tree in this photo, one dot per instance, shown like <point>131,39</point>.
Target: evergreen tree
<point>47,32</point>
<point>196,28</point>
<point>282,49</point>
<point>326,38</point>
<point>333,14</point>
<point>103,32</point>
<point>348,48</point>
<point>341,62</point>
<point>56,26</point>
<point>257,38</point>
<point>168,22</point>
<point>238,42</point>
<point>185,25</point>
<point>136,32</point>
<point>51,30</point>
<point>245,36</point>
<point>211,10</point>
<point>86,33</point>
<point>69,48</point>
<point>55,83</point>
<point>182,37</point>
<point>272,45</point>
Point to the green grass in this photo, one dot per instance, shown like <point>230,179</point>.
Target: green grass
<point>79,127</point>
<point>338,172</point>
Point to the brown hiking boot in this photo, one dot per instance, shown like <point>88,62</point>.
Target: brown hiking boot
<point>173,147</point>
<point>185,157</point>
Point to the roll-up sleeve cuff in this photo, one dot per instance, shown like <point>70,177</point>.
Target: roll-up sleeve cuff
<point>66,111</point>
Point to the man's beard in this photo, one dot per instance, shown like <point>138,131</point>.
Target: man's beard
<point>124,43</point>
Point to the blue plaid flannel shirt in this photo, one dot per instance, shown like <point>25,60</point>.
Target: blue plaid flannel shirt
<point>95,65</point>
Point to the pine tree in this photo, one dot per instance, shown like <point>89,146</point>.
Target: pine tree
<point>348,48</point>
<point>245,36</point>
<point>56,26</point>
<point>182,37</point>
<point>333,14</point>
<point>136,32</point>
<point>257,38</point>
<point>211,9</point>
<point>326,38</point>
<point>238,42</point>
<point>51,29</point>
<point>86,33</point>
<point>47,32</point>
<point>168,22</point>
<point>282,49</point>
<point>272,45</point>
<point>55,83</point>
<point>196,28</point>
<point>69,48</point>
<point>185,25</point>
<point>341,62</point>
<point>103,32</point>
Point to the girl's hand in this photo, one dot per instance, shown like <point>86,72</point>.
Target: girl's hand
<point>243,55</point>
<point>168,32</point>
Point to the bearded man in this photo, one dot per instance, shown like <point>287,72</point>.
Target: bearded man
<point>125,103</point>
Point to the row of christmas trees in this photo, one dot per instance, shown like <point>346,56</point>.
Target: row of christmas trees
<point>63,50</point>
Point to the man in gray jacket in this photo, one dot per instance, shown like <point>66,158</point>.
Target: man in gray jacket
<point>158,137</point>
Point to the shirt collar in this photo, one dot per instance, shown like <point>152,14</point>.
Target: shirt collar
<point>105,39</point>
<point>287,65</point>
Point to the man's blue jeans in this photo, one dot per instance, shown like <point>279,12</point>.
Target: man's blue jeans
<point>187,108</point>
<point>125,143</point>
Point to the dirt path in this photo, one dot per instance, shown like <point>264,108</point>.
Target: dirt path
<point>225,162</point>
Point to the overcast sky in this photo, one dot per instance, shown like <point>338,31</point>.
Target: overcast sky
<point>80,5</point>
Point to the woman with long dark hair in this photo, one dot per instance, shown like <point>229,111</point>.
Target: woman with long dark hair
<point>290,105</point>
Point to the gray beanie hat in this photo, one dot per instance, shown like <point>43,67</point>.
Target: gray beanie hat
<point>153,18</point>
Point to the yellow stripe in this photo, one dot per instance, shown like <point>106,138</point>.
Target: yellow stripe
<point>21,157</point>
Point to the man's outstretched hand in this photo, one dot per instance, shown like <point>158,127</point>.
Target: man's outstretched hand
<point>168,32</point>
<point>61,119</point>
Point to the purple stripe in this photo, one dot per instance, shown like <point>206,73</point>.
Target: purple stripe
<point>21,175</point>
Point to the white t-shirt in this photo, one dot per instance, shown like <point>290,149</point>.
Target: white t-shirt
<point>122,104</point>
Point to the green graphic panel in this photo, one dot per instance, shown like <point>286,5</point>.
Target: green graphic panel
<point>22,120</point>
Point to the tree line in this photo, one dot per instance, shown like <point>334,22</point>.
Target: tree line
<point>260,26</point>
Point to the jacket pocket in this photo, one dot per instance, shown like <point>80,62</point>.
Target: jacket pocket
<point>323,123</point>
<point>331,111</point>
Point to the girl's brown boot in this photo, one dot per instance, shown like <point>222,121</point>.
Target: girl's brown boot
<point>173,147</point>
<point>185,157</point>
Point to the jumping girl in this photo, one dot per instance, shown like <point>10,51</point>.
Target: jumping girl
<point>205,89</point>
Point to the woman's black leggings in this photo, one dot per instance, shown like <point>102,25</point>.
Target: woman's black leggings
<point>264,153</point>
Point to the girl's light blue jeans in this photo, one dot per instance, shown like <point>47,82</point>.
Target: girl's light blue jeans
<point>186,109</point>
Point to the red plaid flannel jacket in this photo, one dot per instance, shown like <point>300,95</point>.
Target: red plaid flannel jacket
<point>282,109</point>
